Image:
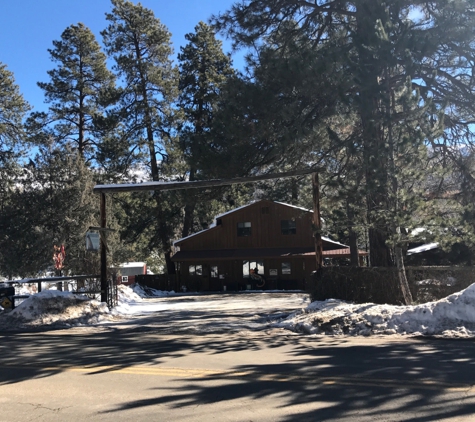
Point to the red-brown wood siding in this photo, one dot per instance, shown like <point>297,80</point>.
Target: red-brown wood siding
<point>265,229</point>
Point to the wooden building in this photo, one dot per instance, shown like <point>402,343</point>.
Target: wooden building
<point>127,271</point>
<point>272,237</point>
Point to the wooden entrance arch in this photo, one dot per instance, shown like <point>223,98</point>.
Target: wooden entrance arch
<point>200,184</point>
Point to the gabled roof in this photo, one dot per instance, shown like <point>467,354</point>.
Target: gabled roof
<point>131,265</point>
<point>256,202</point>
<point>213,225</point>
<point>423,248</point>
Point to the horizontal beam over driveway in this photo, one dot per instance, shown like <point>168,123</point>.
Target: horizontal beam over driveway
<point>160,186</point>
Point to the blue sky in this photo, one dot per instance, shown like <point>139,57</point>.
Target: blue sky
<point>28,28</point>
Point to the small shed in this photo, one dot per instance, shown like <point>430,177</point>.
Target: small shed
<point>127,271</point>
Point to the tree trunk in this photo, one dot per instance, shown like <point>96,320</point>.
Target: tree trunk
<point>295,191</point>
<point>189,208</point>
<point>379,252</point>
<point>317,223</point>
<point>353,237</point>
<point>374,148</point>
<point>401,272</point>
<point>188,219</point>
<point>170,264</point>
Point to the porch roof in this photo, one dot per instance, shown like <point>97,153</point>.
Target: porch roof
<point>254,253</point>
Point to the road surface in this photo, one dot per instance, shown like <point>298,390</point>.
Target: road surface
<point>219,359</point>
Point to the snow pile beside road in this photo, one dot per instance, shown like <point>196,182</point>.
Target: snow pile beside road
<point>453,316</point>
<point>56,309</point>
<point>127,295</point>
<point>144,291</point>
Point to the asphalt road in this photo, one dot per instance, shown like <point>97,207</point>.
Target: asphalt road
<point>221,361</point>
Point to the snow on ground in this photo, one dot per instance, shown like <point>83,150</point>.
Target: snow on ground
<point>453,316</point>
<point>144,291</point>
<point>56,308</point>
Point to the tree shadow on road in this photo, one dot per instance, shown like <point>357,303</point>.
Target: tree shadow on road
<point>318,379</point>
<point>420,381</point>
<point>326,378</point>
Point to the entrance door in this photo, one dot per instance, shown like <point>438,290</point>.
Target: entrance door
<point>248,268</point>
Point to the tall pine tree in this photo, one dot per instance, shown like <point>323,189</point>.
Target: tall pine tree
<point>204,70</point>
<point>141,47</point>
<point>12,111</point>
<point>380,46</point>
<point>80,88</point>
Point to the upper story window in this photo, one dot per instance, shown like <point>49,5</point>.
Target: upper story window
<point>288,227</point>
<point>244,229</point>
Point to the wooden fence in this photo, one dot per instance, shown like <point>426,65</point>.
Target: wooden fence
<point>381,285</point>
<point>164,282</point>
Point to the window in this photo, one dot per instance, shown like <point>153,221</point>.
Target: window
<point>244,229</point>
<point>288,227</point>
<point>195,270</point>
<point>250,266</point>
<point>286,268</point>
<point>214,271</point>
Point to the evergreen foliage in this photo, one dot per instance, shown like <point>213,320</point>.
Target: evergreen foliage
<point>141,47</point>
<point>389,53</point>
<point>204,70</point>
<point>379,93</point>
<point>52,204</point>
<point>12,111</point>
<point>80,89</point>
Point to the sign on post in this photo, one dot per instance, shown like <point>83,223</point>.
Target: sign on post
<point>92,241</point>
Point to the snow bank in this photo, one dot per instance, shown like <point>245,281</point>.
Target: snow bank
<point>56,308</point>
<point>144,291</point>
<point>451,316</point>
<point>127,294</point>
<point>62,309</point>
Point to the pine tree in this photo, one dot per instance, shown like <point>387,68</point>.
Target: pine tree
<point>140,45</point>
<point>204,69</point>
<point>80,89</point>
<point>379,46</point>
<point>52,204</point>
<point>12,111</point>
